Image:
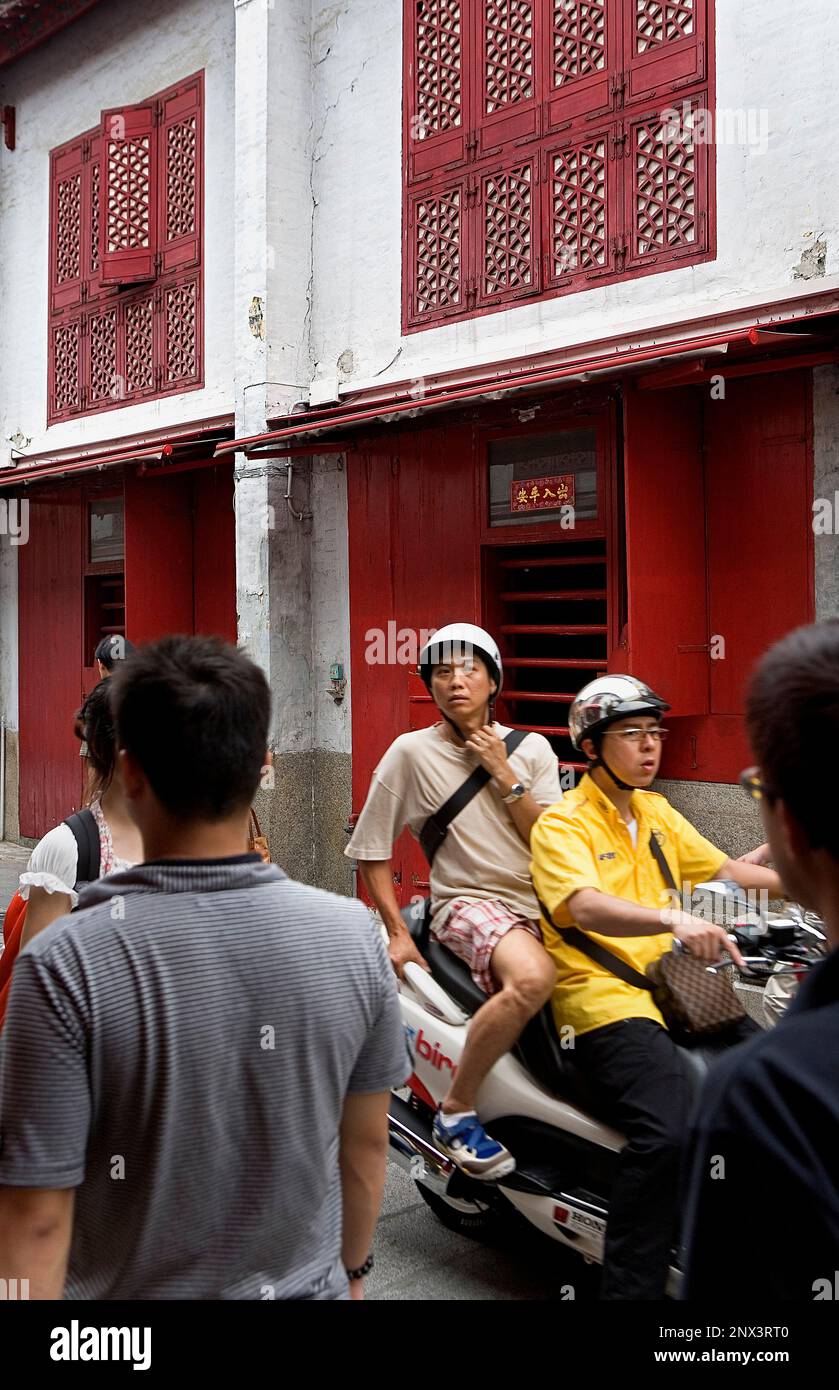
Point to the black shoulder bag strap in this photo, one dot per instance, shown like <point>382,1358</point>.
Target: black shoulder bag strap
<point>434,831</point>
<point>600,954</point>
<point>658,855</point>
<point>86,834</point>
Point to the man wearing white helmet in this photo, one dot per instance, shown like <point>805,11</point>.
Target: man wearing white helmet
<point>483,904</point>
<point>601,864</point>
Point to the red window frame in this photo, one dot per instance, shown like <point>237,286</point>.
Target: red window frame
<point>126,297</point>
<point>489,84</point>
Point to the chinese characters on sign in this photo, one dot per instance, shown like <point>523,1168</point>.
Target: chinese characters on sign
<point>542,494</point>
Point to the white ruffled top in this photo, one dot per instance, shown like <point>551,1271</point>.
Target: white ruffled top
<point>54,861</point>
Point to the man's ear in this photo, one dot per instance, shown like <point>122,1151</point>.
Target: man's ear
<point>133,778</point>
<point>587,747</point>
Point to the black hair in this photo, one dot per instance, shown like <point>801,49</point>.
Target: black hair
<point>792,711</point>
<point>194,712</point>
<point>113,649</point>
<point>95,725</point>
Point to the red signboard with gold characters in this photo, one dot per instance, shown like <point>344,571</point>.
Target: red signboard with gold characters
<point>542,494</point>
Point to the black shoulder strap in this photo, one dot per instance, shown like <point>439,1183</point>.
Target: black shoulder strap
<point>601,955</point>
<point>658,855</point>
<point>434,831</point>
<point>86,834</point>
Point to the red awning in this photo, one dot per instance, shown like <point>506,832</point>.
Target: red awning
<point>404,398</point>
<point>158,446</point>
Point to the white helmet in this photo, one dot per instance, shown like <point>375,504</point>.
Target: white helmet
<point>605,700</point>
<point>461,639</point>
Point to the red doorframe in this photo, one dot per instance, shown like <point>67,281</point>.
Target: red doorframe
<point>180,576</point>
<point>49,649</point>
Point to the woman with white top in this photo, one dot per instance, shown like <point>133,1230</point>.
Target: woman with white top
<point>49,884</point>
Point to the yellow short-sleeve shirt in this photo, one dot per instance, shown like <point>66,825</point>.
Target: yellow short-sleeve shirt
<point>584,842</point>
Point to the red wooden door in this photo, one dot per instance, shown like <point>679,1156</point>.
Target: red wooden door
<point>760,535</point>
<point>50,651</point>
<point>214,550</point>
<point>158,556</point>
<point>414,565</point>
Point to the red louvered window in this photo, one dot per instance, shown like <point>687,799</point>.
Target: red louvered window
<point>126,282</point>
<point>551,145</point>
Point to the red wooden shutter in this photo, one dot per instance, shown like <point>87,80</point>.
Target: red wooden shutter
<point>438,48</point>
<point>101,372</point>
<point>181,176</point>
<point>666,187</point>
<point>507,232</point>
<point>435,251</point>
<point>581,209</point>
<point>178,350</point>
<point>137,344</point>
<point>66,215</point>
<point>582,60</point>
<point>129,192</point>
<point>92,215</point>
<point>664,45</point>
<point>65,367</point>
<point>506,73</point>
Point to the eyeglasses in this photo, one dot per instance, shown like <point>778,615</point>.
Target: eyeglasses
<point>638,735</point>
<point>750,781</point>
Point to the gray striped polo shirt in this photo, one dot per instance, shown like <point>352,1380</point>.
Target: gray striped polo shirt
<point>179,1052</point>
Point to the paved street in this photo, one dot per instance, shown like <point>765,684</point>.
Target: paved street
<point>417,1258</point>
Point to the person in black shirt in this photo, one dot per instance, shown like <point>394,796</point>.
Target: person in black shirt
<point>762,1214</point>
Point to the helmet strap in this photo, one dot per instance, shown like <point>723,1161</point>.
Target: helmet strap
<point>600,761</point>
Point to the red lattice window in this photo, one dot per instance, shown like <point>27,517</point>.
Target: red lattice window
<point>436,249</point>
<point>508,247</point>
<point>549,146</point>
<point>126,213</point>
<point>665,190</point>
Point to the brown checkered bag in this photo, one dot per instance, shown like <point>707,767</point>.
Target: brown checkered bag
<point>694,1001</point>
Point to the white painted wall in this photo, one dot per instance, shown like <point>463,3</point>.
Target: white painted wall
<point>121,52</point>
<point>772,206</point>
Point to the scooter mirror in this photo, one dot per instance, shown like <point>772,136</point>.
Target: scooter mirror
<point>721,901</point>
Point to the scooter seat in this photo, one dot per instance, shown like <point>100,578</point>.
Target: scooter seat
<point>538,1049</point>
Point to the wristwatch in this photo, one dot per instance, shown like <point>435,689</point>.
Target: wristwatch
<point>516,791</point>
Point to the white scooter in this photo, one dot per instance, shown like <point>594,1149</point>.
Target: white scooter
<point>533,1101</point>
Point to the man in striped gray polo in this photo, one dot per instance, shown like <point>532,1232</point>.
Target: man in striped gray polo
<point>195,1066</point>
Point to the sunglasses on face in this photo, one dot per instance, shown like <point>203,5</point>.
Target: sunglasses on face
<point>750,781</point>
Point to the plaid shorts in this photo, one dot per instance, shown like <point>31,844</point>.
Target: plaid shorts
<point>473,927</point>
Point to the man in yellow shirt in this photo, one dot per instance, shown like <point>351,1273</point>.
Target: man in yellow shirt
<point>596,873</point>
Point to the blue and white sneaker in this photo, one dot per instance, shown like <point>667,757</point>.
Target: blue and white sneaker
<point>463,1139</point>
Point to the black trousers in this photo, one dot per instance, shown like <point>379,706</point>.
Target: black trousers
<point>646,1086</point>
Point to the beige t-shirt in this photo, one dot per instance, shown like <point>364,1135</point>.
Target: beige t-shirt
<point>483,855</point>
